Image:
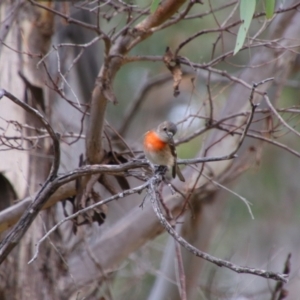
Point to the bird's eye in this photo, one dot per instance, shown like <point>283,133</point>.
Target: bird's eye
<point>165,128</point>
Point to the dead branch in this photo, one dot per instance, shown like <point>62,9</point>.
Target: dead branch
<point>217,261</point>
<point>102,92</point>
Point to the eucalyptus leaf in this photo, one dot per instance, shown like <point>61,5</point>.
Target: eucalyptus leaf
<point>270,6</point>
<point>247,8</point>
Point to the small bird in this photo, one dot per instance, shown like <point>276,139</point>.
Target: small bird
<point>159,147</point>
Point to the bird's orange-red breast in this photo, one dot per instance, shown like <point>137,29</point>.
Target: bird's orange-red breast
<point>160,149</point>
<point>152,142</point>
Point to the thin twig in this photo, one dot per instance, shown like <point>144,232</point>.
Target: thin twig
<point>65,17</point>
<point>253,107</point>
<point>217,261</point>
<point>123,194</point>
<point>181,274</point>
<point>284,123</point>
<point>278,289</point>
<point>262,138</point>
<point>138,100</point>
<point>247,203</point>
<point>181,278</point>
<point>47,189</point>
<point>54,136</point>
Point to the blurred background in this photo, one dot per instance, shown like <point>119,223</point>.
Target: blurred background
<point>218,221</point>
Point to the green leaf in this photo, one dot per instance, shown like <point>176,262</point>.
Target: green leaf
<point>247,8</point>
<point>154,6</point>
<point>270,6</point>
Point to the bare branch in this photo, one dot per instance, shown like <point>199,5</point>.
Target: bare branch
<point>217,261</point>
<point>103,91</point>
<point>275,112</point>
<point>11,215</point>
<point>12,239</point>
<point>123,194</point>
<point>136,103</point>
<point>65,17</point>
<point>167,9</point>
<point>54,136</point>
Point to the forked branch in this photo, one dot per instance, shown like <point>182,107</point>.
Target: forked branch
<point>217,261</point>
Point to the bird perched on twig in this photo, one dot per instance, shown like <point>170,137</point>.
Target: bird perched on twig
<point>159,147</point>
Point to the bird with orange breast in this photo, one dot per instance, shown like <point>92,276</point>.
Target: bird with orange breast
<point>159,147</point>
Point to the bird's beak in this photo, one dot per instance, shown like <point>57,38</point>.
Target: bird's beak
<point>170,134</point>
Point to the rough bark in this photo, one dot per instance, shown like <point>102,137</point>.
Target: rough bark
<point>37,28</point>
